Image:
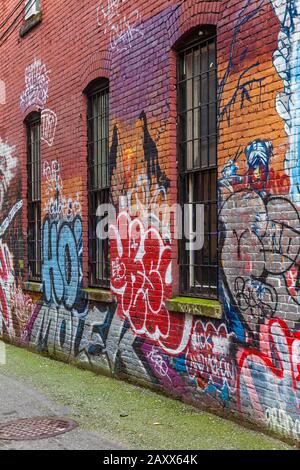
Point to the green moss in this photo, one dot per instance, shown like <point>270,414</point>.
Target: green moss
<point>101,295</point>
<point>196,301</point>
<point>97,403</point>
<point>195,306</point>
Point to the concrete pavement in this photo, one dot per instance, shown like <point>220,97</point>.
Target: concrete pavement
<point>18,400</point>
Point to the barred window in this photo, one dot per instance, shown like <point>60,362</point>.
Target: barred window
<point>98,179</point>
<point>34,196</point>
<point>197,158</point>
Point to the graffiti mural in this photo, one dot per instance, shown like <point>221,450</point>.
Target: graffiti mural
<point>259,216</point>
<point>57,205</point>
<point>62,271</point>
<point>247,362</point>
<point>276,364</point>
<point>140,184</point>
<point>286,62</point>
<point>15,307</point>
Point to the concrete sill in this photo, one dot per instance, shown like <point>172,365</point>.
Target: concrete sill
<point>98,295</point>
<point>32,286</point>
<point>199,307</point>
<point>30,24</point>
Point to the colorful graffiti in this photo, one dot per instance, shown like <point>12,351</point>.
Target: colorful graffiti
<point>57,205</point>
<point>259,214</point>
<point>62,271</point>
<point>286,62</point>
<point>8,163</point>
<point>249,360</point>
<point>276,364</point>
<point>209,360</point>
<point>15,307</point>
<point>141,279</point>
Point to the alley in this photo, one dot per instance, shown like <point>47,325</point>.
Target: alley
<point>20,400</point>
<point>111,414</point>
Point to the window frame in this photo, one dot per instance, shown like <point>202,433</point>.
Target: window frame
<point>34,185</point>
<point>98,250</point>
<point>190,271</point>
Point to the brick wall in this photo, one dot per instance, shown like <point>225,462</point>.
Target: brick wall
<point>245,364</point>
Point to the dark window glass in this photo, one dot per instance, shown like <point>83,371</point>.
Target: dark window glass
<point>197,149</point>
<point>34,197</point>
<point>98,180</point>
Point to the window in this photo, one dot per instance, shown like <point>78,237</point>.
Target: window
<point>34,197</point>
<point>197,158</point>
<point>98,179</point>
<point>32,7</point>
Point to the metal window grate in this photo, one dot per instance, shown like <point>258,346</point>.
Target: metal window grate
<point>197,152</point>
<point>34,197</point>
<point>98,180</point>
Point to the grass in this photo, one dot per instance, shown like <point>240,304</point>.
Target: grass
<point>132,416</point>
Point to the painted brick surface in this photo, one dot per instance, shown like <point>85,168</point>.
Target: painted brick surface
<point>247,363</point>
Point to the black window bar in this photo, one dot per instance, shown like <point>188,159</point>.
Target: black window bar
<point>34,197</point>
<point>98,179</point>
<point>197,159</point>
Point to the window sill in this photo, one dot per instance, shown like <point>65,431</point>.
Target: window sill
<point>199,307</point>
<point>30,24</point>
<point>31,286</point>
<point>98,295</point>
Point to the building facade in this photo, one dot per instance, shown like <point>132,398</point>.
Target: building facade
<point>142,107</point>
